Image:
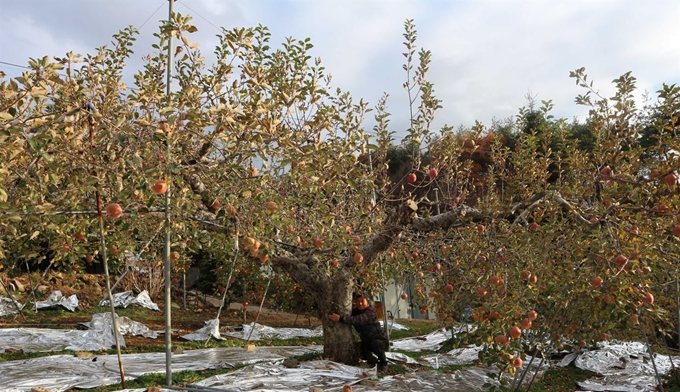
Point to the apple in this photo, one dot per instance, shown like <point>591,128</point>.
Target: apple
<point>526,274</point>
<point>346,388</point>
<point>89,258</point>
<point>620,260</point>
<point>448,288</point>
<point>481,228</point>
<point>160,187</point>
<point>318,242</point>
<point>670,179</point>
<point>533,226</point>
<point>654,173</point>
<point>253,172</point>
<point>404,296</point>
<point>606,171</point>
<point>264,258</point>
<point>581,343</point>
<point>676,230</point>
<point>216,204</point>
<point>648,298</point>
<point>517,362</point>
<point>533,279</point>
<point>495,281</point>
<point>501,340</point>
<point>532,315</point>
<point>271,206</point>
<point>596,281</point>
<point>515,332</point>
<point>432,173</point>
<point>174,256</point>
<point>633,319</point>
<point>481,291</point>
<point>525,324</point>
<point>114,210</point>
<point>602,336</point>
<point>594,220</point>
<point>437,266</point>
<point>79,236</point>
<point>415,255</point>
<point>358,258</point>
<point>609,299</point>
<point>411,178</point>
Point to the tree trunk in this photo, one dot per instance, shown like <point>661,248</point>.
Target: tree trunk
<point>339,343</point>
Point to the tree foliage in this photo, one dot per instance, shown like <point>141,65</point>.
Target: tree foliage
<point>271,173</point>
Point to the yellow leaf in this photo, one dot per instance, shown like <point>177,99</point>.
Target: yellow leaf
<point>35,234</point>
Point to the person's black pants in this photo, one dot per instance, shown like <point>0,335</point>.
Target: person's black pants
<point>375,346</point>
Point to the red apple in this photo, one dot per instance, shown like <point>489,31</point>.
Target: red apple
<point>404,296</point>
<point>532,315</point>
<point>533,226</point>
<point>358,258</point>
<point>271,206</point>
<point>481,228</point>
<point>79,236</point>
<point>670,179</point>
<point>501,340</point>
<point>620,260</point>
<point>515,332</point>
<point>596,281</point>
<point>526,324</point>
<point>606,171</point>
<point>432,173</point>
<point>648,299</point>
<point>448,288</point>
<point>114,210</point>
<point>411,178</point>
<point>160,187</point>
<point>676,230</point>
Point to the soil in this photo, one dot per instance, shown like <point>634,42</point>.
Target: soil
<point>90,289</point>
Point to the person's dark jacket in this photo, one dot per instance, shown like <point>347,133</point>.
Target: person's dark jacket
<point>366,324</point>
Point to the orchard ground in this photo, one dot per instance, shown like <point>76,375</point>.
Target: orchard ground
<point>88,289</point>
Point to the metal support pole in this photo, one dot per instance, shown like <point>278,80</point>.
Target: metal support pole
<point>168,278</point>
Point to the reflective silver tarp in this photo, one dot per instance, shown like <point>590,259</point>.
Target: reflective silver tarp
<point>254,331</point>
<point>126,326</point>
<point>127,298</point>
<point>56,299</point>
<point>7,306</point>
<point>625,366</point>
<point>210,330</point>
<point>62,372</point>
<point>394,325</point>
<point>98,336</point>
<point>432,341</point>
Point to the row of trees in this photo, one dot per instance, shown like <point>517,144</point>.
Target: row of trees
<point>535,214</point>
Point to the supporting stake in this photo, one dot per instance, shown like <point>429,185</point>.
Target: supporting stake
<point>168,266</point>
<point>259,310</point>
<point>651,355</point>
<point>14,302</point>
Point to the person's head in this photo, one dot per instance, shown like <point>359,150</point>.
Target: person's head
<point>361,302</point>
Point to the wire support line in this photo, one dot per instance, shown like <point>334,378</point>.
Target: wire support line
<point>154,13</point>
<point>14,65</point>
<point>199,15</point>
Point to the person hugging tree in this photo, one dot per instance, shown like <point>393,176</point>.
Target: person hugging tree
<point>364,318</point>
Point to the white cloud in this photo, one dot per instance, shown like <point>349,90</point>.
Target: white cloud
<point>486,55</point>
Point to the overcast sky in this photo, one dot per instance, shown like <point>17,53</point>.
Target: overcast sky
<point>486,55</point>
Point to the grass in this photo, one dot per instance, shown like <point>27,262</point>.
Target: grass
<point>560,380</point>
